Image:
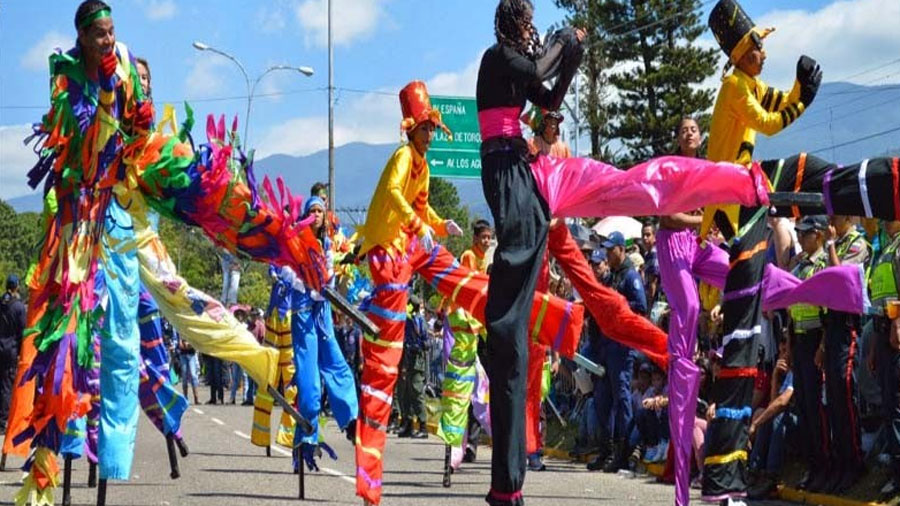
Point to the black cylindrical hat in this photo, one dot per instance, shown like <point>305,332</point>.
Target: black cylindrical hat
<point>729,24</point>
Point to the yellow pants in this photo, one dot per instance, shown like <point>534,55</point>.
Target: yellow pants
<point>278,336</point>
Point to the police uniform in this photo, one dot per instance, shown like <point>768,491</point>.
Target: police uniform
<point>883,289</point>
<point>841,359</point>
<point>808,330</point>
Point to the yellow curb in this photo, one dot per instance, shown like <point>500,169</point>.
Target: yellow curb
<point>784,493</point>
<point>800,496</point>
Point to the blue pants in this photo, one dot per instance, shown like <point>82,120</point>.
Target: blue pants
<point>318,357</point>
<point>652,426</point>
<point>612,392</point>
<point>768,450</point>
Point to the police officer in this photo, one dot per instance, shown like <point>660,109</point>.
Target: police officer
<point>884,354</point>
<point>844,245</point>
<point>612,393</point>
<point>807,350</point>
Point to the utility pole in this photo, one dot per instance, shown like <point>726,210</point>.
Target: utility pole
<point>331,188</point>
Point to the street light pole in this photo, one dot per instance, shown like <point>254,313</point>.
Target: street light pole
<point>251,88</point>
<point>331,189</point>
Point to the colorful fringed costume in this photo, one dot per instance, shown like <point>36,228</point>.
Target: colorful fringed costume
<point>98,169</point>
<point>399,212</point>
<point>278,336</point>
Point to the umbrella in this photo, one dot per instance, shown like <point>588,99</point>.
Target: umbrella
<point>628,226</point>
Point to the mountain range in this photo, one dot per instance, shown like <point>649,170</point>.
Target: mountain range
<point>836,128</point>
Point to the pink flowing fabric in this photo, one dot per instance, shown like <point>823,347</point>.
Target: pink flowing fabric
<point>579,187</point>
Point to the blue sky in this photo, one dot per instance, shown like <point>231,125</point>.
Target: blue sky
<point>381,45</point>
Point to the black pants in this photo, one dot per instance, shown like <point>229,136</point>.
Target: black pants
<point>215,373</point>
<point>887,361</point>
<point>8,358</point>
<point>841,389</point>
<point>811,414</point>
<point>521,217</point>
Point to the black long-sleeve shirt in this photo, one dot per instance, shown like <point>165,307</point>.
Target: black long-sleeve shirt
<point>508,78</point>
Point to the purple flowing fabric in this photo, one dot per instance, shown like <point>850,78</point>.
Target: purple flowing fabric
<point>681,260</point>
<point>581,187</point>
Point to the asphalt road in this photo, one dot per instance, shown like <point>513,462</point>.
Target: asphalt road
<point>224,468</point>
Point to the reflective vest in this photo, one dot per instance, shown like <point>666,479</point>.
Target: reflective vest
<point>883,284</point>
<point>844,247</point>
<point>805,316</point>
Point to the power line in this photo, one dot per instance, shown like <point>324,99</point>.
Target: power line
<point>663,20</point>
<point>857,140</point>
<point>845,115</point>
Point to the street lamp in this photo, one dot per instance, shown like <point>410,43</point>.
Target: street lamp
<point>251,88</point>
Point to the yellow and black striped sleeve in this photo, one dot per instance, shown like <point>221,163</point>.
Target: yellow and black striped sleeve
<point>755,116</point>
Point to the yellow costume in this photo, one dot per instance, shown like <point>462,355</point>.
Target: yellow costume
<point>746,105</point>
<point>400,203</point>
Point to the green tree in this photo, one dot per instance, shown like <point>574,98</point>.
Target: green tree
<point>656,68</point>
<point>20,236</point>
<point>594,81</point>
<point>444,198</point>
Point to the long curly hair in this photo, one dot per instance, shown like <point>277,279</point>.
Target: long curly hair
<point>511,17</point>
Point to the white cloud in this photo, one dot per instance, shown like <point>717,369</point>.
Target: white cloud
<point>846,37</point>
<point>16,159</point>
<point>351,19</point>
<point>35,58</point>
<point>270,19</point>
<point>370,117</point>
<point>205,79</point>
<point>160,9</point>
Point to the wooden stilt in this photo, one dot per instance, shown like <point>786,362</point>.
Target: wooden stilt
<point>174,472</point>
<point>67,482</point>
<point>447,469</point>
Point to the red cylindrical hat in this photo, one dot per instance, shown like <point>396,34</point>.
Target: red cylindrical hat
<point>415,105</point>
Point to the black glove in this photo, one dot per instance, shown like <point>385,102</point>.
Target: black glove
<point>809,75</point>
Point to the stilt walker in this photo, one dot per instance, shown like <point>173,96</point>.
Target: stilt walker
<point>317,355</point>
<point>744,106</point>
<point>278,336</point>
<point>398,240</point>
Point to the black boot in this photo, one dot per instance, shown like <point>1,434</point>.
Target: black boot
<point>351,431</point>
<point>393,424</point>
<point>406,429</point>
<point>617,458</point>
<point>600,460</point>
<point>422,433</point>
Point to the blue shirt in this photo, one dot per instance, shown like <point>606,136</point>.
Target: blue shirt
<point>415,337</point>
<point>627,281</point>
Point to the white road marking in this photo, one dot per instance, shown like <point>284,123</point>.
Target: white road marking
<point>281,450</point>
<point>339,474</point>
<point>220,422</point>
<point>198,411</point>
<point>241,434</point>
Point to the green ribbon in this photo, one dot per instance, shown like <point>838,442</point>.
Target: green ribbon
<point>102,13</point>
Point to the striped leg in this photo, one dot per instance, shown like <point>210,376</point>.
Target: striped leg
<point>278,335</point>
<point>381,356</point>
<point>554,322</point>
<point>459,378</point>
<point>724,471</point>
<point>159,399</point>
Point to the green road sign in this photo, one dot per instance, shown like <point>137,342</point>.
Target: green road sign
<point>461,156</point>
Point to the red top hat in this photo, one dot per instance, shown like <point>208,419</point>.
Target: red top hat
<point>415,105</point>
